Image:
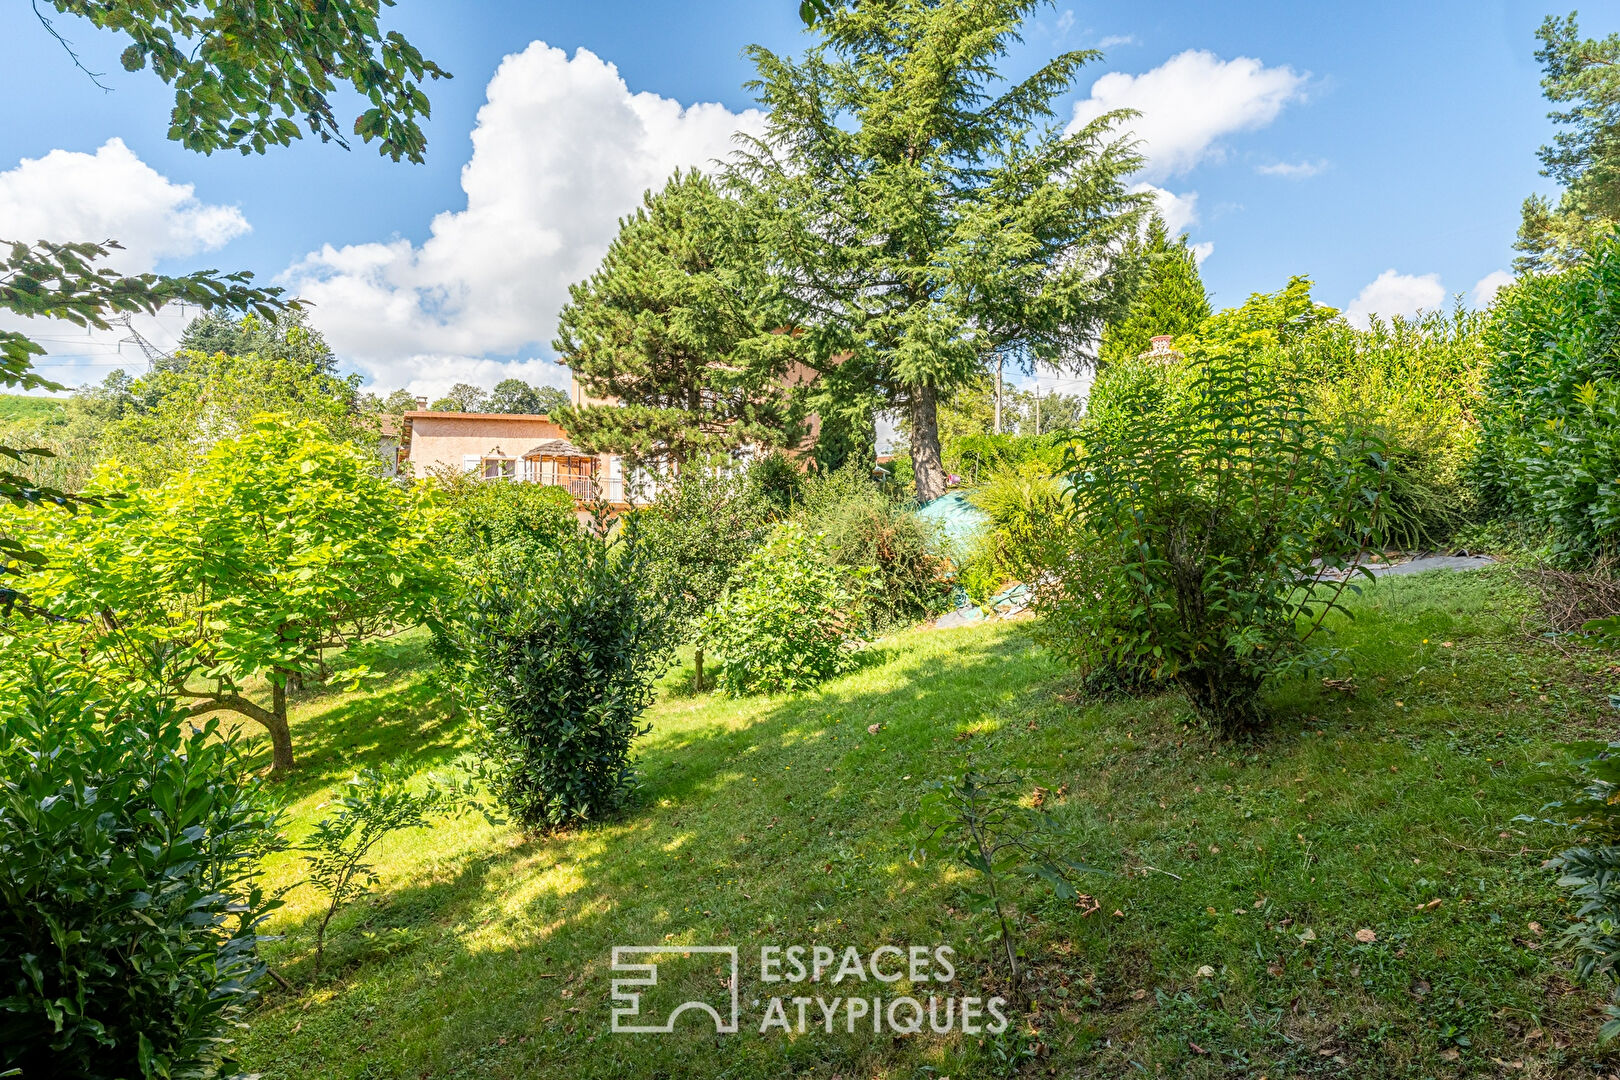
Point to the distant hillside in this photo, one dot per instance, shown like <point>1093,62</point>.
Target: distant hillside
<point>14,407</point>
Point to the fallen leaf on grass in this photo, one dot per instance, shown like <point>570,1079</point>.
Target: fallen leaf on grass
<point>1431,905</point>
<point>1449,1054</point>
<point>1366,936</point>
<point>1206,972</point>
<point>1138,995</point>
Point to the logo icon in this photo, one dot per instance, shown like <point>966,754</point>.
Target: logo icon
<point>627,992</point>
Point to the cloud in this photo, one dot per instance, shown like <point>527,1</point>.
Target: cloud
<point>1179,212</point>
<point>562,149</point>
<point>1203,251</point>
<point>1116,39</point>
<point>1485,288</point>
<point>1065,22</point>
<point>1189,103</point>
<point>108,195</point>
<point>1293,170</point>
<point>112,195</point>
<point>1392,293</point>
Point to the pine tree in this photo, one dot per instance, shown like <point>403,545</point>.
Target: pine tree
<point>929,217</point>
<point>668,328</point>
<point>1172,300</point>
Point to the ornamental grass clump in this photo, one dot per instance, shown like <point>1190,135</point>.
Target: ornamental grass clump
<point>1208,535</point>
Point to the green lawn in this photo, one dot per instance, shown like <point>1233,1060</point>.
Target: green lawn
<point>15,407</point>
<point>776,821</point>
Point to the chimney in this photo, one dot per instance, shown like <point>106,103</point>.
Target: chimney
<point>1159,348</point>
<point>421,402</point>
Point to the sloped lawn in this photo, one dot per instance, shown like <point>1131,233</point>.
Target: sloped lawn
<point>776,821</point>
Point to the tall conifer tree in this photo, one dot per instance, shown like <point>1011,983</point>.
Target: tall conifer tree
<point>1172,300</point>
<point>669,328</point>
<point>926,216</point>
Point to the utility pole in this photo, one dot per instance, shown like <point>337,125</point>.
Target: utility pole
<point>152,353</point>
<point>1037,402</point>
<point>998,393</point>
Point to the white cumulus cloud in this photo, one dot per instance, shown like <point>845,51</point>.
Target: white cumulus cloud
<point>1485,288</point>
<point>108,195</point>
<point>1392,293</point>
<point>562,149</point>
<point>1190,103</point>
<point>112,195</point>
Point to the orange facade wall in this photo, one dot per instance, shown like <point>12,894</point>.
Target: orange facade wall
<point>439,440</point>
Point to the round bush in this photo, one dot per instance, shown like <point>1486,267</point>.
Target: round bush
<point>789,619</point>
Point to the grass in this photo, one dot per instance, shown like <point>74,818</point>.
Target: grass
<point>14,407</point>
<point>776,821</point>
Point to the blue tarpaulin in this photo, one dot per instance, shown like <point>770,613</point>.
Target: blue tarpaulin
<point>957,518</point>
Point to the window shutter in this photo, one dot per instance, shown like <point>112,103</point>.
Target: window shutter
<point>469,462</point>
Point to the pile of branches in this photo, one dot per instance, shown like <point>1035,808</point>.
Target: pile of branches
<point>1571,600</point>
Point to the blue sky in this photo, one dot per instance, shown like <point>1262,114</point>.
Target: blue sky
<point>1382,149</point>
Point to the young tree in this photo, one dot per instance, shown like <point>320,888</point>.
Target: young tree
<point>1584,158</point>
<point>1172,300</point>
<point>698,532</point>
<point>670,328</point>
<point>927,217</point>
<point>280,546</point>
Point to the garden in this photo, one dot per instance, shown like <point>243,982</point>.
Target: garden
<point>1145,758</point>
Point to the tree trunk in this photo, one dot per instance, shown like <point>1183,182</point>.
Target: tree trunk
<point>281,756</point>
<point>697,659</point>
<point>925,462</point>
<point>273,720</point>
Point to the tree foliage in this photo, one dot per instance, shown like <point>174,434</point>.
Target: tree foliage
<point>1549,419</point>
<point>277,548</point>
<point>517,396</point>
<point>1584,157</point>
<point>1172,300</point>
<point>926,215</point>
<point>669,329</point>
<point>66,281</point>
<point>463,397</point>
<point>130,847</point>
<point>245,75</point>
<point>287,337</point>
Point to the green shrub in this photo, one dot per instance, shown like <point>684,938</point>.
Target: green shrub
<point>129,907</point>
<point>861,527</point>
<point>559,656</point>
<point>1590,874</point>
<point>789,619</point>
<point>1415,382</point>
<point>1550,416</point>
<point>519,519</point>
<point>1191,537</point>
<point>699,531</point>
<point>1023,503</point>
